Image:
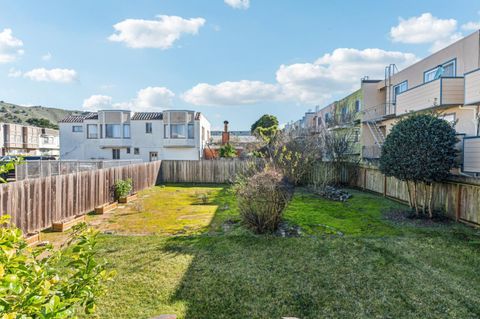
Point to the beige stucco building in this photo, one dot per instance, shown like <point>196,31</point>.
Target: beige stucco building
<point>447,82</point>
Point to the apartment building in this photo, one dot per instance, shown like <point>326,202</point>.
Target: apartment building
<point>17,139</point>
<point>447,82</point>
<point>146,136</point>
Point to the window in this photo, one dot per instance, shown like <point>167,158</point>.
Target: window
<point>115,153</point>
<point>136,151</point>
<point>165,131</point>
<point>190,131</point>
<point>148,128</point>
<point>399,88</point>
<point>177,131</point>
<point>450,118</point>
<point>203,133</point>
<point>447,69</point>
<point>128,150</point>
<point>92,131</point>
<point>45,140</point>
<point>113,131</point>
<point>357,106</point>
<point>126,130</point>
<point>77,128</point>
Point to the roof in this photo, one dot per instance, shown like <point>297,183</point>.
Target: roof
<point>147,116</point>
<point>79,118</point>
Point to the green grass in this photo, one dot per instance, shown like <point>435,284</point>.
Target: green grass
<point>375,270</point>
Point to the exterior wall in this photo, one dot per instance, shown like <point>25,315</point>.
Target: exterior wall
<point>472,87</point>
<point>466,52</point>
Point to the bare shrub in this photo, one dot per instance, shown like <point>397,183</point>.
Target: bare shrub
<point>262,199</point>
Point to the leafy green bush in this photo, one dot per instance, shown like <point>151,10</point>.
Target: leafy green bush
<point>419,149</point>
<point>123,188</point>
<point>262,199</point>
<point>44,283</point>
<point>228,151</point>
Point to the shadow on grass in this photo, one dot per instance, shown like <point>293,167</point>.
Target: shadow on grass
<point>241,275</point>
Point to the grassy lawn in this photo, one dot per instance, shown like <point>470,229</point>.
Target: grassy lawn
<point>352,262</point>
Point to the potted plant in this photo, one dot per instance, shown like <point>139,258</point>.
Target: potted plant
<point>123,191</point>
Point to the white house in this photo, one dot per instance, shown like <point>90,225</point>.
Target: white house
<point>148,136</point>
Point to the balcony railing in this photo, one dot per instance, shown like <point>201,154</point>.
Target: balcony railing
<point>177,142</point>
<point>379,112</point>
<point>371,152</point>
<point>441,92</point>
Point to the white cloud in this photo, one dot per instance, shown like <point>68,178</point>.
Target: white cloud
<point>471,26</point>
<point>426,29</point>
<point>161,33</point>
<point>97,102</point>
<point>231,93</point>
<point>238,4</point>
<point>10,47</point>
<point>14,73</point>
<point>333,74</point>
<point>147,99</point>
<point>52,75</point>
<point>47,57</point>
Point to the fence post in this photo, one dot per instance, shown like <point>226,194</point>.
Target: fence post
<point>384,185</point>
<point>459,204</point>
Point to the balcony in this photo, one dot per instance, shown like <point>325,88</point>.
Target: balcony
<point>472,87</point>
<point>441,92</point>
<point>379,112</point>
<point>178,142</point>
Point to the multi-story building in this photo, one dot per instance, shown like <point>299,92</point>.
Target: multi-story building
<point>447,82</point>
<point>17,139</point>
<point>147,136</point>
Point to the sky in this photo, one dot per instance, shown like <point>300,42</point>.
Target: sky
<point>230,59</point>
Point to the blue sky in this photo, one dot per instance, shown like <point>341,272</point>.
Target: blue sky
<point>232,59</point>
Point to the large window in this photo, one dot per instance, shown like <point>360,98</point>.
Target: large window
<point>113,131</point>
<point>77,128</point>
<point>126,130</point>
<point>357,106</point>
<point>447,69</point>
<point>92,131</point>
<point>399,88</point>
<point>178,131</point>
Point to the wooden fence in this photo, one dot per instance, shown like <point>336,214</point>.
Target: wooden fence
<point>204,171</point>
<point>35,204</point>
<point>458,197</point>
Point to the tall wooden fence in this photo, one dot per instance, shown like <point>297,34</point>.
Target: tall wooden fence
<point>458,197</point>
<point>35,204</point>
<point>205,171</point>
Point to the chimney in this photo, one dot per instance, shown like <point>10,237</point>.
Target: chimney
<point>225,134</point>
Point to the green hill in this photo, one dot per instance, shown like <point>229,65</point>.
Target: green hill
<point>33,115</point>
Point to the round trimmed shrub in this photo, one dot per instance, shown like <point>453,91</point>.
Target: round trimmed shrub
<point>262,199</point>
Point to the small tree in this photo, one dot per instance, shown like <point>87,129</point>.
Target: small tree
<point>265,121</point>
<point>227,151</point>
<point>420,149</point>
<point>262,199</point>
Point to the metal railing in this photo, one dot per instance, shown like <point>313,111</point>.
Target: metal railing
<point>371,152</point>
<point>35,169</point>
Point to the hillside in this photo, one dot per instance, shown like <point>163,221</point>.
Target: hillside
<point>11,113</point>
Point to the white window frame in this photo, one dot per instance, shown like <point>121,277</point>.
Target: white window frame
<point>77,128</point>
<point>403,84</point>
<point>429,75</point>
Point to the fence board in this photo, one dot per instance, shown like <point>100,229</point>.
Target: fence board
<point>35,204</point>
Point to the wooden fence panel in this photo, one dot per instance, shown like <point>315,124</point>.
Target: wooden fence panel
<point>204,171</point>
<point>34,204</point>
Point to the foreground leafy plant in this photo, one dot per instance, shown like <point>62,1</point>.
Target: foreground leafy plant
<point>45,283</point>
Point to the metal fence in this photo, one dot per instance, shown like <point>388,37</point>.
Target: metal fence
<point>36,169</point>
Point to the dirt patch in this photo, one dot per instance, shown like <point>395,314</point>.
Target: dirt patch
<point>408,218</point>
